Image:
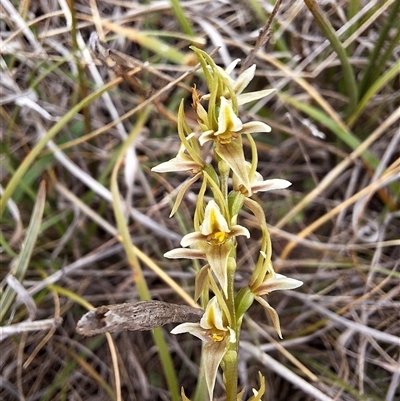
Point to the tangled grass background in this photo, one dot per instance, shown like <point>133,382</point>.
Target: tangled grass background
<point>65,117</point>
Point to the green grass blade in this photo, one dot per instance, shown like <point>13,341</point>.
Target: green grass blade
<point>181,17</point>
<point>30,158</point>
<point>375,64</point>
<point>23,259</point>
<point>345,135</point>
<point>348,73</point>
<point>373,90</point>
<point>157,46</point>
<point>144,293</point>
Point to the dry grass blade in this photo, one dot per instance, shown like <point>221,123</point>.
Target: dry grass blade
<point>25,327</point>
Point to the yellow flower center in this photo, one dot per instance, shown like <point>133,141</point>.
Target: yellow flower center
<point>217,335</point>
<point>219,236</point>
<point>227,137</point>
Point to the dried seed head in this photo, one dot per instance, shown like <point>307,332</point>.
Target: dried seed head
<point>135,316</point>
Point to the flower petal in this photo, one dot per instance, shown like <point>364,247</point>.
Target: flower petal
<point>181,193</point>
<point>258,393</point>
<point>212,317</point>
<point>183,395</point>
<point>269,185</point>
<point>252,96</point>
<point>255,126</point>
<point>193,328</point>
<point>240,395</point>
<point>198,108</point>
<point>278,282</point>
<point>232,335</point>
<point>217,257</point>
<point>213,352</point>
<point>240,230</point>
<point>228,121</point>
<point>184,253</point>
<point>201,281</point>
<point>176,164</point>
<point>272,313</point>
<point>206,136</point>
<point>231,66</point>
<point>244,79</point>
<point>192,238</point>
<point>214,221</point>
<point>233,155</point>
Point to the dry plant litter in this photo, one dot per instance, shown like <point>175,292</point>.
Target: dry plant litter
<point>84,220</point>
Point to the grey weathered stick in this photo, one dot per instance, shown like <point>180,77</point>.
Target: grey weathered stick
<point>24,327</point>
<point>135,316</point>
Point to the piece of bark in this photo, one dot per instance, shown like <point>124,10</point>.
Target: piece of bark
<point>135,316</point>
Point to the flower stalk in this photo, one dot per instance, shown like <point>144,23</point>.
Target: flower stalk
<point>228,183</point>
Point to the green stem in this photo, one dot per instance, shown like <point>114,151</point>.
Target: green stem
<point>231,292</point>
<point>230,360</point>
